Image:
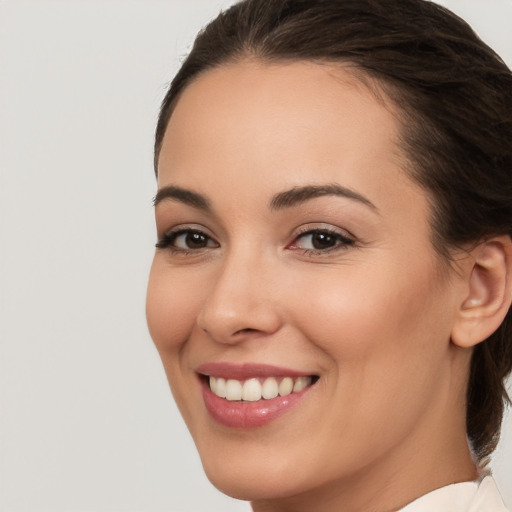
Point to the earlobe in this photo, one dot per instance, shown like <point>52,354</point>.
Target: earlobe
<point>488,294</point>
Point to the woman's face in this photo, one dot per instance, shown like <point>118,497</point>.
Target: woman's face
<point>295,251</point>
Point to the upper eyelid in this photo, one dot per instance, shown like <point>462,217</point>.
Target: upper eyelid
<point>314,227</point>
<point>186,227</point>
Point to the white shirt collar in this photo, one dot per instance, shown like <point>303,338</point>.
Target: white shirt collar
<point>479,496</point>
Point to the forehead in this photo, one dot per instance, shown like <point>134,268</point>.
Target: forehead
<point>287,83</point>
<point>274,111</point>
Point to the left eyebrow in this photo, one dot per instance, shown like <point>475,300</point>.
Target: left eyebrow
<point>298,195</point>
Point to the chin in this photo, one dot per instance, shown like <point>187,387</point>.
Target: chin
<point>250,479</point>
<point>252,486</point>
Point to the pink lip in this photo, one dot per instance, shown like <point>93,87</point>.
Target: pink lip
<point>246,415</point>
<point>246,371</point>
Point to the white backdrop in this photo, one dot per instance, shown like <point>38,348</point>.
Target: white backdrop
<point>87,423</point>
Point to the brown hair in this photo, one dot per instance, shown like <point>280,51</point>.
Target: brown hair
<point>455,98</point>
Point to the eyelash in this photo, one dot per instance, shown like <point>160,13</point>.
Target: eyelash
<point>169,238</point>
<point>341,241</point>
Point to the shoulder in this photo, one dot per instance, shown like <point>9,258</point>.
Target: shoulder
<point>487,498</point>
<point>479,496</point>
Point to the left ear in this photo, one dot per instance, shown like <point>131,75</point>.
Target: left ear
<point>488,292</point>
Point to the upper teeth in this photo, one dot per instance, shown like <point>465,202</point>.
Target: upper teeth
<point>252,390</point>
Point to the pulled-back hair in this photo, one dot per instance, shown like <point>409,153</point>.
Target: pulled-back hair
<point>454,96</point>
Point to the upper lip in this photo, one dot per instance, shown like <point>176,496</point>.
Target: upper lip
<point>247,371</point>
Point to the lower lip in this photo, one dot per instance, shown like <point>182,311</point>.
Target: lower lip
<point>244,415</point>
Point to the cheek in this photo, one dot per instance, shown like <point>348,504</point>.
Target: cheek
<point>379,328</point>
<point>387,346</point>
<point>170,318</point>
<point>172,304</point>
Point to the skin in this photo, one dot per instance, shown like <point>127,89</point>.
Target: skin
<point>372,317</point>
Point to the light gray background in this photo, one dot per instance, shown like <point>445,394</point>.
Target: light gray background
<point>86,420</point>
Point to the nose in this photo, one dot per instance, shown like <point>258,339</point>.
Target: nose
<point>240,304</point>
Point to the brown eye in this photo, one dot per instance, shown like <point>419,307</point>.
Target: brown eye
<point>186,240</point>
<point>322,240</point>
<point>192,240</point>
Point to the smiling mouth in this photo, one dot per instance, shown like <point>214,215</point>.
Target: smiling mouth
<point>246,396</point>
<point>256,389</point>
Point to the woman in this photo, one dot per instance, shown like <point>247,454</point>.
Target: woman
<point>331,287</point>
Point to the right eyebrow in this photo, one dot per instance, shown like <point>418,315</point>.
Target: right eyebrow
<point>182,195</point>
